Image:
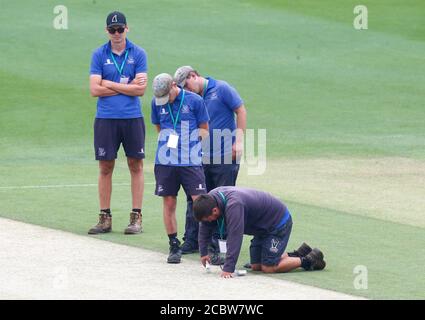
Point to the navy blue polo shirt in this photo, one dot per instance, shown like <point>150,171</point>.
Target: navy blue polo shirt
<point>193,113</point>
<point>221,100</point>
<point>119,106</point>
<point>246,211</point>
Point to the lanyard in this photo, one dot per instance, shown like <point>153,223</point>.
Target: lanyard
<point>204,92</point>
<point>220,221</point>
<point>122,64</point>
<point>175,120</point>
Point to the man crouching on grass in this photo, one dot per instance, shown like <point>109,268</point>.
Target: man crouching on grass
<point>238,211</point>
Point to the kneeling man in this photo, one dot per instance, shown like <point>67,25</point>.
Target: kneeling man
<point>237,211</point>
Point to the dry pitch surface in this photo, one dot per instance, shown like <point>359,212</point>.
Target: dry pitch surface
<point>41,263</point>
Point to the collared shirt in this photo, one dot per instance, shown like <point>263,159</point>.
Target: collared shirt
<point>119,106</point>
<point>221,100</point>
<point>193,113</point>
<point>247,211</point>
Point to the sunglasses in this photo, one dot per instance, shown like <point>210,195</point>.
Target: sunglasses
<point>113,30</point>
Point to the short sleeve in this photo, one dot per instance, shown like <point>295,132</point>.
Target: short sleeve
<point>154,113</point>
<point>141,62</point>
<point>96,63</point>
<point>201,112</point>
<point>230,97</point>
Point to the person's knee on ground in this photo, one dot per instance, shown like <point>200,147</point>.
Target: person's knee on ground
<point>256,267</point>
<point>285,264</point>
<point>268,269</point>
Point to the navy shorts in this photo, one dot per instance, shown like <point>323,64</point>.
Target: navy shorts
<point>218,175</point>
<point>110,133</point>
<point>170,178</point>
<point>269,248</point>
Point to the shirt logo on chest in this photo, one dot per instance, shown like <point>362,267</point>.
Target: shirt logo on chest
<point>213,96</point>
<point>185,109</point>
<point>163,112</point>
<point>108,61</point>
<point>130,60</point>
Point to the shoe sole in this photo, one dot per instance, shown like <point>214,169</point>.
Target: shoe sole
<point>99,232</point>
<point>317,254</point>
<point>132,232</point>
<point>319,263</point>
<point>173,262</point>
<point>190,252</point>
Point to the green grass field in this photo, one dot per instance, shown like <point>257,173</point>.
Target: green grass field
<point>344,113</point>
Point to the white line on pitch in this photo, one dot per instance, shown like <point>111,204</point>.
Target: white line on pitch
<point>65,186</point>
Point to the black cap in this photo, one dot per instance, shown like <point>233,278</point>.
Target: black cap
<point>116,19</point>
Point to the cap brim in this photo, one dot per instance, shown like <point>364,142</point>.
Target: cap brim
<point>160,101</point>
<point>116,25</point>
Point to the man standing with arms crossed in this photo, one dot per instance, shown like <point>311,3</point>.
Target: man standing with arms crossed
<point>181,119</point>
<point>221,163</point>
<point>118,76</point>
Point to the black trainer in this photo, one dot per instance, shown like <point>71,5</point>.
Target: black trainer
<point>175,255</point>
<point>315,260</point>
<point>302,251</point>
<point>188,247</point>
<point>216,258</point>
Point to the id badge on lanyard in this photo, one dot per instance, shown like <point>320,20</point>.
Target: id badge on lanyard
<point>173,139</point>
<point>123,79</point>
<point>222,244</point>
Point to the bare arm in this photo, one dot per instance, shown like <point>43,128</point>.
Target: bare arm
<point>203,130</point>
<point>135,88</point>
<point>158,128</point>
<point>97,90</point>
<point>241,118</point>
<point>237,148</point>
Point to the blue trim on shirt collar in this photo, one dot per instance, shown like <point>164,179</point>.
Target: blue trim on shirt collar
<point>211,83</point>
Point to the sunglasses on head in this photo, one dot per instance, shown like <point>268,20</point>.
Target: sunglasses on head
<point>113,30</point>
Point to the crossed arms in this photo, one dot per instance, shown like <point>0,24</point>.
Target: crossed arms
<point>106,88</point>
